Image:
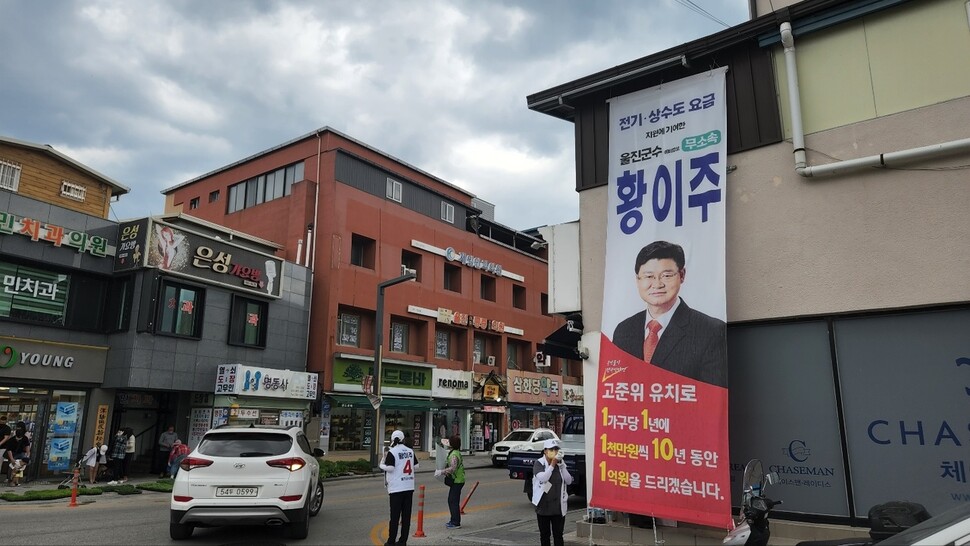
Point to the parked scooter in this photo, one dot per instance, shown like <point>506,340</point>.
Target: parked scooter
<point>751,529</point>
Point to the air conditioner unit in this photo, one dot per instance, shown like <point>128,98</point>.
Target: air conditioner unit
<point>491,361</point>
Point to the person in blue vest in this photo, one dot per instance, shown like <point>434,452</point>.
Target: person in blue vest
<point>399,465</point>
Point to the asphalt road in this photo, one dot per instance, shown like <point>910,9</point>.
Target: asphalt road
<point>355,511</point>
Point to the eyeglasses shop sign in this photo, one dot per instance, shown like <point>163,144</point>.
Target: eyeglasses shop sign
<point>21,359</point>
<point>266,382</point>
<point>451,384</point>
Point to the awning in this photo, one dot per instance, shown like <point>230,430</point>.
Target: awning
<point>351,401</point>
<point>564,342</point>
<point>461,404</point>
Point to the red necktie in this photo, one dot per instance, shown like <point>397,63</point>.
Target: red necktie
<point>650,342</point>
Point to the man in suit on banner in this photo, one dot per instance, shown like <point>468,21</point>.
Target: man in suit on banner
<point>668,333</point>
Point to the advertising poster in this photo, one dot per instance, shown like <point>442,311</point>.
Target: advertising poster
<point>661,433</point>
<point>198,425</point>
<point>325,426</point>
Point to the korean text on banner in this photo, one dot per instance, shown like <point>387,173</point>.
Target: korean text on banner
<point>661,443</point>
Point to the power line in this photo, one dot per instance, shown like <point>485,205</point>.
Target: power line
<point>689,4</point>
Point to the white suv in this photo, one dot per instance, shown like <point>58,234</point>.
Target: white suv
<point>254,475</point>
<point>529,439</point>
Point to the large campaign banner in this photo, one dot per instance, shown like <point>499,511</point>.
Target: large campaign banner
<point>661,432</point>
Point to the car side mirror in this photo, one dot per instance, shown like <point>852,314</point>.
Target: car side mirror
<point>317,452</point>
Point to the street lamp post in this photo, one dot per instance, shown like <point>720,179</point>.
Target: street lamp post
<point>377,439</point>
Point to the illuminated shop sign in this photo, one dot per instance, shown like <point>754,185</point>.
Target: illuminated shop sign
<point>35,230</point>
<point>151,243</point>
<point>447,316</point>
<point>473,261</point>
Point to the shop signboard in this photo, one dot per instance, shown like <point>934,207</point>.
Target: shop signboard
<point>454,384</point>
<point>220,416</point>
<point>198,425</point>
<point>265,382</point>
<point>59,236</point>
<point>395,378</point>
<point>186,253</point>
<point>101,424</point>
<point>32,359</point>
<point>572,395</point>
<point>534,388</point>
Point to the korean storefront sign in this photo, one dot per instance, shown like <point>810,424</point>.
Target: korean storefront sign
<point>473,261</point>
<point>31,359</point>
<point>101,424</point>
<point>534,388</point>
<point>395,378</point>
<point>266,382</point>
<point>35,230</point>
<point>453,384</point>
<point>447,316</point>
<point>152,243</point>
<point>199,422</point>
<point>661,406</point>
<point>572,395</point>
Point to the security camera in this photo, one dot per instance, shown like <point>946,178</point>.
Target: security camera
<point>571,328</point>
<point>536,245</point>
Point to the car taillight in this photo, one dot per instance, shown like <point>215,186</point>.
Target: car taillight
<point>189,463</point>
<point>290,463</point>
<point>291,498</point>
<point>181,498</point>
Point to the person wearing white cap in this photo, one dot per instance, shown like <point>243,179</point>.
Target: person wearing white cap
<point>549,480</point>
<point>399,465</point>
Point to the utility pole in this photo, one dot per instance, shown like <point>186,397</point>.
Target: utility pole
<point>377,440</point>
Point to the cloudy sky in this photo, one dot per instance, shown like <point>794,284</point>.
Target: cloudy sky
<point>153,94</point>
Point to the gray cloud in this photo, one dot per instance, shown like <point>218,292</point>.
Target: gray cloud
<point>155,93</point>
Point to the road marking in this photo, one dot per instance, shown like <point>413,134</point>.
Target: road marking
<point>378,533</point>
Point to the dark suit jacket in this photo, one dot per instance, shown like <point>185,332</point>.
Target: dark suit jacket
<point>693,344</point>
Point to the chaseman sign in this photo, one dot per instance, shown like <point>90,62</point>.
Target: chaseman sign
<point>33,359</point>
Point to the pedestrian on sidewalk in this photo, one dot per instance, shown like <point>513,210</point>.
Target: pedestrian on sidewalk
<point>454,475</point>
<point>165,443</point>
<point>129,452</point>
<point>399,465</point>
<point>90,460</point>
<point>17,448</point>
<point>179,451</point>
<point>549,481</point>
<point>118,457</point>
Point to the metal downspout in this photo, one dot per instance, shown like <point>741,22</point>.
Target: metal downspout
<point>889,159</point>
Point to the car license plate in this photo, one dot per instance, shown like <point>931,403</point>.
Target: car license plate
<point>500,457</point>
<point>236,491</point>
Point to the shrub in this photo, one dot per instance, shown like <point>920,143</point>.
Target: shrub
<point>48,494</point>
<point>331,469</point>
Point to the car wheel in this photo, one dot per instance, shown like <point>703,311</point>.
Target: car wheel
<point>180,531</point>
<point>299,529</point>
<point>316,503</point>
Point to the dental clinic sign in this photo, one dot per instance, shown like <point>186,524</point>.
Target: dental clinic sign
<point>31,359</point>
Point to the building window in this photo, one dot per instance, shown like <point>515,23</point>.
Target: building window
<point>362,250</point>
<point>399,337</point>
<point>512,356</point>
<point>180,310</point>
<point>448,212</point>
<point>9,175</point>
<point>442,344</point>
<point>348,330</point>
<point>488,288</point>
<point>452,278</point>
<point>518,296</point>
<point>213,196</point>
<point>33,295</point>
<point>544,303</point>
<point>478,350</point>
<point>412,260</point>
<point>260,189</point>
<point>247,325</point>
<point>394,190</point>
<point>194,203</point>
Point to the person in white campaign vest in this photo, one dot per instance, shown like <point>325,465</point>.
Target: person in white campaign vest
<point>399,465</point>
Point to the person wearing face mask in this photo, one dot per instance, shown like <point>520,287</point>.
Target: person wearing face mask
<point>549,481</point>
